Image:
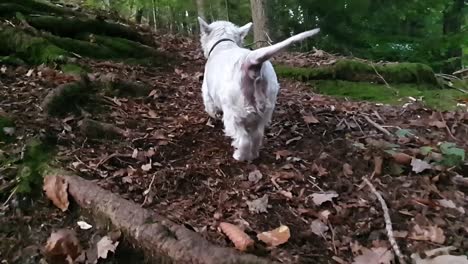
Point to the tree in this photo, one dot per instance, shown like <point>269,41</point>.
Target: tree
<point>259,20</point>
<point>201,8</point>
<point>452,28</point>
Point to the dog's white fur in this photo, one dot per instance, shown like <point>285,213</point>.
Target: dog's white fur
<point>240,83</point>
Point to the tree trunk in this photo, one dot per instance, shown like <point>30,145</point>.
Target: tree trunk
<point>259,20</point>
<point>139,15</point>
<point>453,20</point>
<point>201,8</point>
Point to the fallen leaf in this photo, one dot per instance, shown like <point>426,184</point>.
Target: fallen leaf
<point>428,233</point>
<point>310,119</point>
<point>255,176</point>
<point>83,225</point>
<point>439,256</point>
<point>276,236</point>
<point>318,227</point>
<point>419,165</point>
<point>146,167</point>
<point>347,170</point>
<point>135,153</point>
<point>402,158</point>
<point>9,131</point>
<point>282,153</point>
<point>320,198</point>
<point>152,114</point>
<point>241,240</point>
<point>380,255</point>
<point>450,204</point>
<point>106,245</point>
<point>286,194</point>
<point>55,188</point>
<point>258,205</point>
<point>62,245</point>
<point>438,124</point>
<point>321,171</point>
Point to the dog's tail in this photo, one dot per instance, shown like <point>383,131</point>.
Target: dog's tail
<point>261,55</point>
<point>253,86</point>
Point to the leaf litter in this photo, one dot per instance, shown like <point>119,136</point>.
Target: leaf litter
<point>197,177</point>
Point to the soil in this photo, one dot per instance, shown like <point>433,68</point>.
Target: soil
<point>194,181</point>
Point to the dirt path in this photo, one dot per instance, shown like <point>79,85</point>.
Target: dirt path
<point>316,145</point>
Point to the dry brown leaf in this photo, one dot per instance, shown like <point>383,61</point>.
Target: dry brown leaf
<point>106,245</point>
<point>282,153</point>
<point>437,123</point>
<point>428,233</point>
<point>380,255</point>
<point>402,158</point>
<point>420,165</point>
<point>321,171</point>
<point>62,246</point>
<point>318,227</point>
<point>241,240</point>
<point>310,119</point>
<point>439,256</point>
<point>55,188</point>
<point>276,236</point>
<point>347,170</point>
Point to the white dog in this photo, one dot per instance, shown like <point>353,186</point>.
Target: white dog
<point>240,83</point>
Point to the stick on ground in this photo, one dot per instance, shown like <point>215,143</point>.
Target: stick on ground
<point>388,222</point>
<point>161,240</point>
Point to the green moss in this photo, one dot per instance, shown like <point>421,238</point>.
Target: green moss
<point>433,98</point>
<point>11,60</point>
<point>32,167</point>
<point>72,27</point>
<point>8,8</point>
<point>353,70</point>
<point>32,49</point>
<point>125,47</point>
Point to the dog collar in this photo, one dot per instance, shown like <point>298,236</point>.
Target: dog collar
<point>217,42</point>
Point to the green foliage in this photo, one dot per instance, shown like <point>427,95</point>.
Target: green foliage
<point>32,49</point>
<point>32,167</point>
<point>74,69</point>
<point>452,156</point>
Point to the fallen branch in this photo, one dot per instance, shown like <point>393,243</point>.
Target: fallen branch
<point>395,91</point>
<point>379,127</point>
<point>161,240</point>
<point>388,222</point>
<point>446,127</point>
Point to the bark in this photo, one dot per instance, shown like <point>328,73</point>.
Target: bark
<point>201,8</point>
<point>453,20</point>
<point>139,15</point>
<point>259,19</point>
<point>161,240</point>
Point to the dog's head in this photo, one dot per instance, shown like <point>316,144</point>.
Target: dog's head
<point>210,33</point>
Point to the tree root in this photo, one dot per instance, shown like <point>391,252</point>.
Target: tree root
<point>161,240</point>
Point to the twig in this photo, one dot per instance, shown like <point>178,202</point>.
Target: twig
<point>10,196</point>
<point>379,127</point>
<point>446,127</point>
<point>386,83</point>
<point>359,126</point>
<point>388,222</point>
<point>147,191</point>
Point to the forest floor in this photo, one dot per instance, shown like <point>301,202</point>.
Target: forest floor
<point>309,176</point>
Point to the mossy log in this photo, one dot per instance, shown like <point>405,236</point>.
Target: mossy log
<point>353,70</point>
<point>29,48</point>
<point>73,27</point>
<point>115,86</point>
<point>9,8</point>
<point>161,240</point>
<point>96,130</point>
<point>67,98</point>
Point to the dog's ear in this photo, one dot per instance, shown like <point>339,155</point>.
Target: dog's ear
<point>244,30</point>
<point>204,27</point>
